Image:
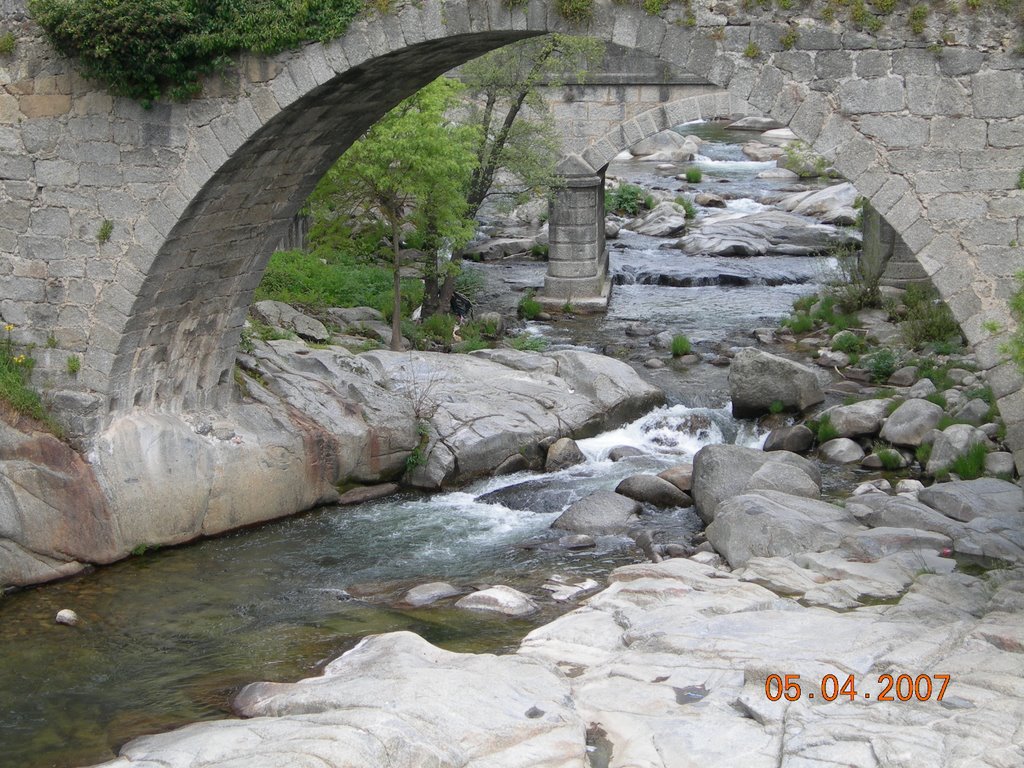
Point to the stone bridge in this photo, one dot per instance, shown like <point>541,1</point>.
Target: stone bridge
<point>928,127</point>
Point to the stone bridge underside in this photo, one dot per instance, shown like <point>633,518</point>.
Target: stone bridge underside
<point>199,193</point>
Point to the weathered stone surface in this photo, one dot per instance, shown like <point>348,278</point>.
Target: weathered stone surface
<point>911,422</point>
<point>833,204</point>
<point>968,499</point>
<point>796,439</point>
<point>954,441</point>
<point>366,493</point>
<point>668,219</point>
<point>842,450</point>
<point>681,476</point>
<point>666,146</point>
<point>281,315</point>
<point>761,233</point>
<point>425,594</point>
<point>723,471</point>
<point>624,452</point>
<point>601,512</point>
<point>863,418</point>
<point>562,454</point>
<point>758,379</point>
<point>652,489</point>
<point>499,599</point>
<point>772,524</point>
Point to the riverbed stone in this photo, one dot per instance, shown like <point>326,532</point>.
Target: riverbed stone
<point>721,471</point>
<point>1000,463</point>
<point>67,617</point>
<point>833,204</point>
<point>285,316</point>
<point>562,454</point>
<point>667,219</point>
<point>651,489</point>
<point>499,599</point>
<point>974,412</point>
<point>426,594</point>
<point>577,541</point>
<point>762,233</point>
<point>796,439</point>
<point>863,418</point>
<point>681,476</point>
<point>620,452</point>
<point>603,512</point>
<point>911,422</point>
<point>366,493</point>
<point>922,389</point>
<point>841,450</point>
<point>968,499</point>
<point>954,442</point>
<point>772,524</point>
<point>758,380</point>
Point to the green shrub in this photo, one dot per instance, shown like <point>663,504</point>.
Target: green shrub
<point>680,345</point>
<point>890,459</point>
<point>687,205</point>
<point>529,307</point>
<point>625,199</point>
<point>799,323</point>
<point>847,341</point>
<point>693,175</point>
<point>917,18</point>
<point>74,364</point>
<point>105,231</point>
<point>8,42</point>
<point>928,319</point>
<point>576,11</point>
<point>881,364</point>
<point>923,453</point>
<point>439,328</point>
<point>15,389</point>
<point>752,51</point>
<point>804,303</point>
<point>938,398</point>
<point>526,342</point>
<point>972,464</point>
<point>776,407</point>
<point>823,429</point>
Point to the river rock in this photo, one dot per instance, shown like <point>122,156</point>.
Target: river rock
<point>772,524</point>
<point>833,204</point>
<point>909,486</point>
<point>796,439</point>
<point>67,617</point>
<point>562,454</point>
<point>425,594</point>
<point>877,543</point>
<point>966,500</point>
<point>758,380</point>
<point>620,452</point>
<point>760,233</point>
<point>922,389</point>
<point>501,248</point>
<point>903,377</point>
<point>499,599</point>
<point>668,219</point>
<point>577,541</point>
<point>754,123</point>
<point>974,412</point>
<point>779,136</point>
<point>654,364</point>
<point>603,512</point>
<point>999,463</point>
<point>681,476</point>
<point>286,317</point>
<point>722,471</point>
<point>611,229</point>
<point>366,493</point>
<point>666,146</point>
<point>911,422</point>
<point>344,316</point>
<point>954,442</point>
<point>708,200</point>
<point>842,450</point>
<point>863,418</point>
<point>655,490</point>
<point>778,173</point>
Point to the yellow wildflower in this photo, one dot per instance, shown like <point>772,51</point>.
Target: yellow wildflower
<point>9,327</point>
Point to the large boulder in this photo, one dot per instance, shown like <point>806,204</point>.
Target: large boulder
<point>499,599</point>
<point>667,219</point>
<point>772,524</point>
<point>911,422</point>
<point>968,499</point>
<point>723,471</point>
<point>761,233</point>
<point>954,442</point>
<point>842,450</point>
<point>863,418</point>
<point>797,439</point>
<point>760,382</point>
<point>604,512</point>
<point>833,204</point>
<point>562,454</point>
<point>652,489</point>
<point>286,317</point>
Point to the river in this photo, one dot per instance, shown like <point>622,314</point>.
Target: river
<point>169,636</point>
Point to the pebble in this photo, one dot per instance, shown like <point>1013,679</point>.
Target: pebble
<point>654,364</point>
<point>67,617</point>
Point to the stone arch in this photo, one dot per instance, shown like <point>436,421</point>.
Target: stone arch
<point>933,140</point>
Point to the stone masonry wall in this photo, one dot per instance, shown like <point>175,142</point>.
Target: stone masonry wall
<point>929,128</point>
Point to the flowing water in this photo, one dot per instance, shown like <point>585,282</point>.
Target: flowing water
<point>168,637</point>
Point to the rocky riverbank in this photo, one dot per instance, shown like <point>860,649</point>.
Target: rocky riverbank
<point>316,420</point>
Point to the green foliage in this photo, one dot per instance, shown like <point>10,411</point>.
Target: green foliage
<point>74,365</point>
<point>972,464</point>
<point>8,42</point>
<point>938,398</point>
<point>917,18</point>
<point>439,328</point>
<point>991,326</point>
<point>776,407</point>
<point>804,303</point>
<point>15,390</point>
<point>326,278</point>
<point>857,285</point>
<point>529,307</point>
<point>891,460</point>
<point>105,231</point>
<point>752,51</point>
<point>51,341</point>
<point>576,11</point>
<point>803,161</point>
<point>687,205</point>
<point>849,342</point>
<point>885,6</point>
<point>788,40</point>
<point>823,429</point>
<point>526,342</point>
<point>143,48</point>
<point>928,319</point>
<point>681,345</point>
<point>800,322</point>
<point>923,453</point>
<point>693,175</point>
<point>625,199</point>
<point>881,364</point>
<point>927,368</point>
<point>1020,180</point>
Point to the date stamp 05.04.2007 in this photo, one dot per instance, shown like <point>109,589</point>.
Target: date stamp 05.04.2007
<point>830,688</point>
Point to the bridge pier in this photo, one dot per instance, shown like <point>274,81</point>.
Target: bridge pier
<point>577,255</point>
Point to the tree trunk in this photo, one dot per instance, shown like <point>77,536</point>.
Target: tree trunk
<point>396,306</point>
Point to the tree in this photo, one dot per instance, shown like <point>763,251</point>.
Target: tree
<point>407,177</point>
<point>516,136</point>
